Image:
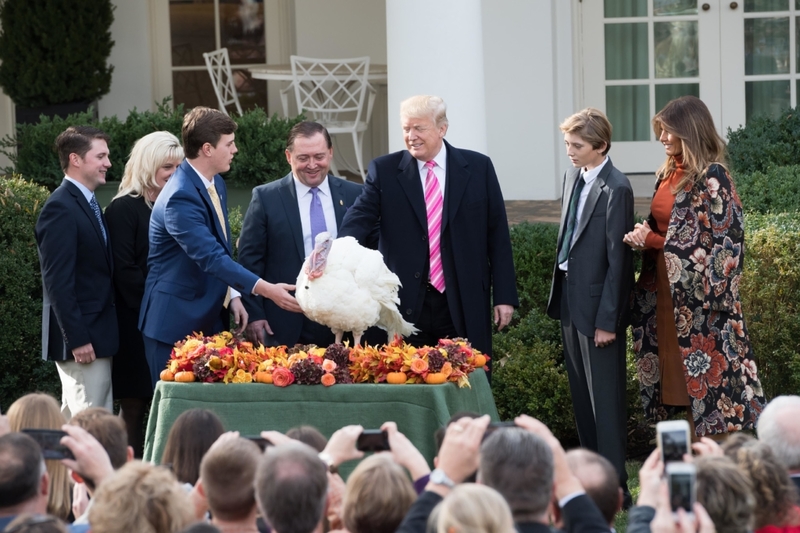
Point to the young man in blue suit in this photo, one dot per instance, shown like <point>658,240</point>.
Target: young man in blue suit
<point>79,321</point>
<point>279,229</point>
<point>443,230</point>
<point>592,282</point>
<point>193,280</point>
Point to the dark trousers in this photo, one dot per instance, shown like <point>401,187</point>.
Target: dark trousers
<point>157,354</point>
<point>434,322</point>
<point>597,383</point>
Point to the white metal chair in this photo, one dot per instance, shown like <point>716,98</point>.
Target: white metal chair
<point>334,92</point>
<point>218,64</point>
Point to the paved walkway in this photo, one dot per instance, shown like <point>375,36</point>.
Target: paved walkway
<point>550,210</point>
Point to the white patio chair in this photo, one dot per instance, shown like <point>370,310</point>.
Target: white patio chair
<point>334,92</point>
<point>218,64</point>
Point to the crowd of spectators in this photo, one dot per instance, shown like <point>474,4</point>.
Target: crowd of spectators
<point>486,479</point>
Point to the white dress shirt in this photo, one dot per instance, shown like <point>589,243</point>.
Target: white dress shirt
<point>440,169</point>
<point>304,197</point>
<point>86,192</point>
<point>588,176</point>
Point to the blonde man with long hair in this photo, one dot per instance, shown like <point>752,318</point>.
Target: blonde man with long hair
<point>692,347</point>
<point>152,162</point>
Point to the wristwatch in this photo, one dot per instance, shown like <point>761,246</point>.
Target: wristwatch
<point>438,477</point>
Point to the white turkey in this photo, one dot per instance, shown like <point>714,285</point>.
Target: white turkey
<point>347,287</point>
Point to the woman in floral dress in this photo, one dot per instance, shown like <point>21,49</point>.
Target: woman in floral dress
<point>691,342</point>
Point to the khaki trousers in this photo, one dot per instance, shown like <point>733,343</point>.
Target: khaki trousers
<point>85,385</point>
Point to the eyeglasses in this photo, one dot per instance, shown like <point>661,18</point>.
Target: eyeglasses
<point>33,520</point>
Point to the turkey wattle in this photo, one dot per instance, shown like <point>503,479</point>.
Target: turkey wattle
<point>347,287</point>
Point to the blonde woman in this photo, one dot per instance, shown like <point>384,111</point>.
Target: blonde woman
<point>42,411</point>
<point>690,338</point>
<point>152,162</point>
<point>471,508</point>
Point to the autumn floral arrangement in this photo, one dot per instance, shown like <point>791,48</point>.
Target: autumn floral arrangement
<point>226,359</point>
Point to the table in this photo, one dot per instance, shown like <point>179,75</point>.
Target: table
<point>377,72</point>
<point>419,410</point>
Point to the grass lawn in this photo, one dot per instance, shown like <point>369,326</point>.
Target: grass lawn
<point>621,521</point>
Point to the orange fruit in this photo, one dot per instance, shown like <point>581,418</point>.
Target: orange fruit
<point>184,377</point>
<point>396,378</point>
<point>435,378</point>
<point>167,375</point>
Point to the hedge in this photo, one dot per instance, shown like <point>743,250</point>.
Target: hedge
<point>765,142</point>
<point>774,190</point>
<point>261,141</point>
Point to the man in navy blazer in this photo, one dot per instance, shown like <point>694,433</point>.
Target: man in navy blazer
<point>277,233</point>
<point>193,280</point>
<point>453,258</point>
<point>79,322</point>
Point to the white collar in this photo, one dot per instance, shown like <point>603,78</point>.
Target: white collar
<point>590,175</point>
<point>440,160</point>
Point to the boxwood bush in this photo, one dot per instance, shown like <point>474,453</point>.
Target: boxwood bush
<point>765,142</point>
<point>774,190</point>
<point>261,141</point>
<point>21,294</point>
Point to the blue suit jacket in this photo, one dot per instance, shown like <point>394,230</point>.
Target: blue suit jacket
<point>475,243</point>
<point>190,263</point>
<point>271,245</point>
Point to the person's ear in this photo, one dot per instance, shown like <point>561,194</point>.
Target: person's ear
<point>129,455</point>
<point>436,462</point>
<point>620,499</point>
<point>288,156</point>
<point>200,488</point>
<point>44,484</point>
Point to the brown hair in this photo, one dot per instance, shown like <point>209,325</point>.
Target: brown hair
<point>591,125</point>
<point>204,125</point>
<point>227,475</point>
<point>140,497</point>
<point>77,140</point>
<point>192,434</point>
<point>307,129</point>
<point>726,493</point>
<point>377,496</point>
<point>309,435</point>
<point>689,119</point>
<point>599,479</point>
<point>772,487</point>
<point>109,430</point>
<point>36,523</point>
<point>41,411</point>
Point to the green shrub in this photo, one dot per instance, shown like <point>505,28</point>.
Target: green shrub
<point>21,294</point>
<point>55,52</point>
<point>770,292</point>
<point>765,142</point>
<point>261,141</point>
<point>775,190</point>
<point>534,248</point>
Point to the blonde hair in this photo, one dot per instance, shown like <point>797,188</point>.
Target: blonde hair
<point>42,411</point>
<point>377,496</point>
<point>425,106</point>
<point>591,125</point>
<point>143,498</point>
<point>471,508</point>
<point>688,119</point>
<point>147,156</point>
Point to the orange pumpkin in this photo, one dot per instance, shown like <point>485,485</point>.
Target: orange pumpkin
<point>264,377</point>
<point>184,377</point>
<point>435,378</point>
<point>167,375</point>
<point>479,360</point>
<point>396,378</point>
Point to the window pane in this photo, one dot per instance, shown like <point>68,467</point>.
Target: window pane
<point>674,7</point>
<point>626,51</point>
<point>753,6</point>
<point>675,49</point>
<point>242,31</point>
<point>797,43</point>
<point>766,46</point>
<point>766,98</point>
<point>628,110</point>
<point>191,27</point>
<point>665,93</point>
<point>625,8</point>
<point>193,88</point>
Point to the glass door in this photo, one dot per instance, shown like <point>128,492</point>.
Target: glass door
<point>741,57</point>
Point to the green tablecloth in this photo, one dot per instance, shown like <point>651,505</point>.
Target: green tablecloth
<point>250,408</point>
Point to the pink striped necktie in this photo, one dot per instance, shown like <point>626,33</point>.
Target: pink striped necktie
<point>433,204</point>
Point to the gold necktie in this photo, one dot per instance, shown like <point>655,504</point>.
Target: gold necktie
<point>212,192</point>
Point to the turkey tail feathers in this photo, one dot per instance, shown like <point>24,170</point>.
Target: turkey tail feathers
<point>392,321</point>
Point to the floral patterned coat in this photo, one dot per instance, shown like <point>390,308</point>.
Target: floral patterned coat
<point>704,252</point>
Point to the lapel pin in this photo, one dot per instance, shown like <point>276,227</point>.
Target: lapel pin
<point>341,202</point>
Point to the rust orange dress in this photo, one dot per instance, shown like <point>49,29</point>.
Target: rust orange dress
<point>670,361</point>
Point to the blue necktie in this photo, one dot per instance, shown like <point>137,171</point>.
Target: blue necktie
<point>572,214</point>
<point>317,217</point>
<point>99,216</point>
